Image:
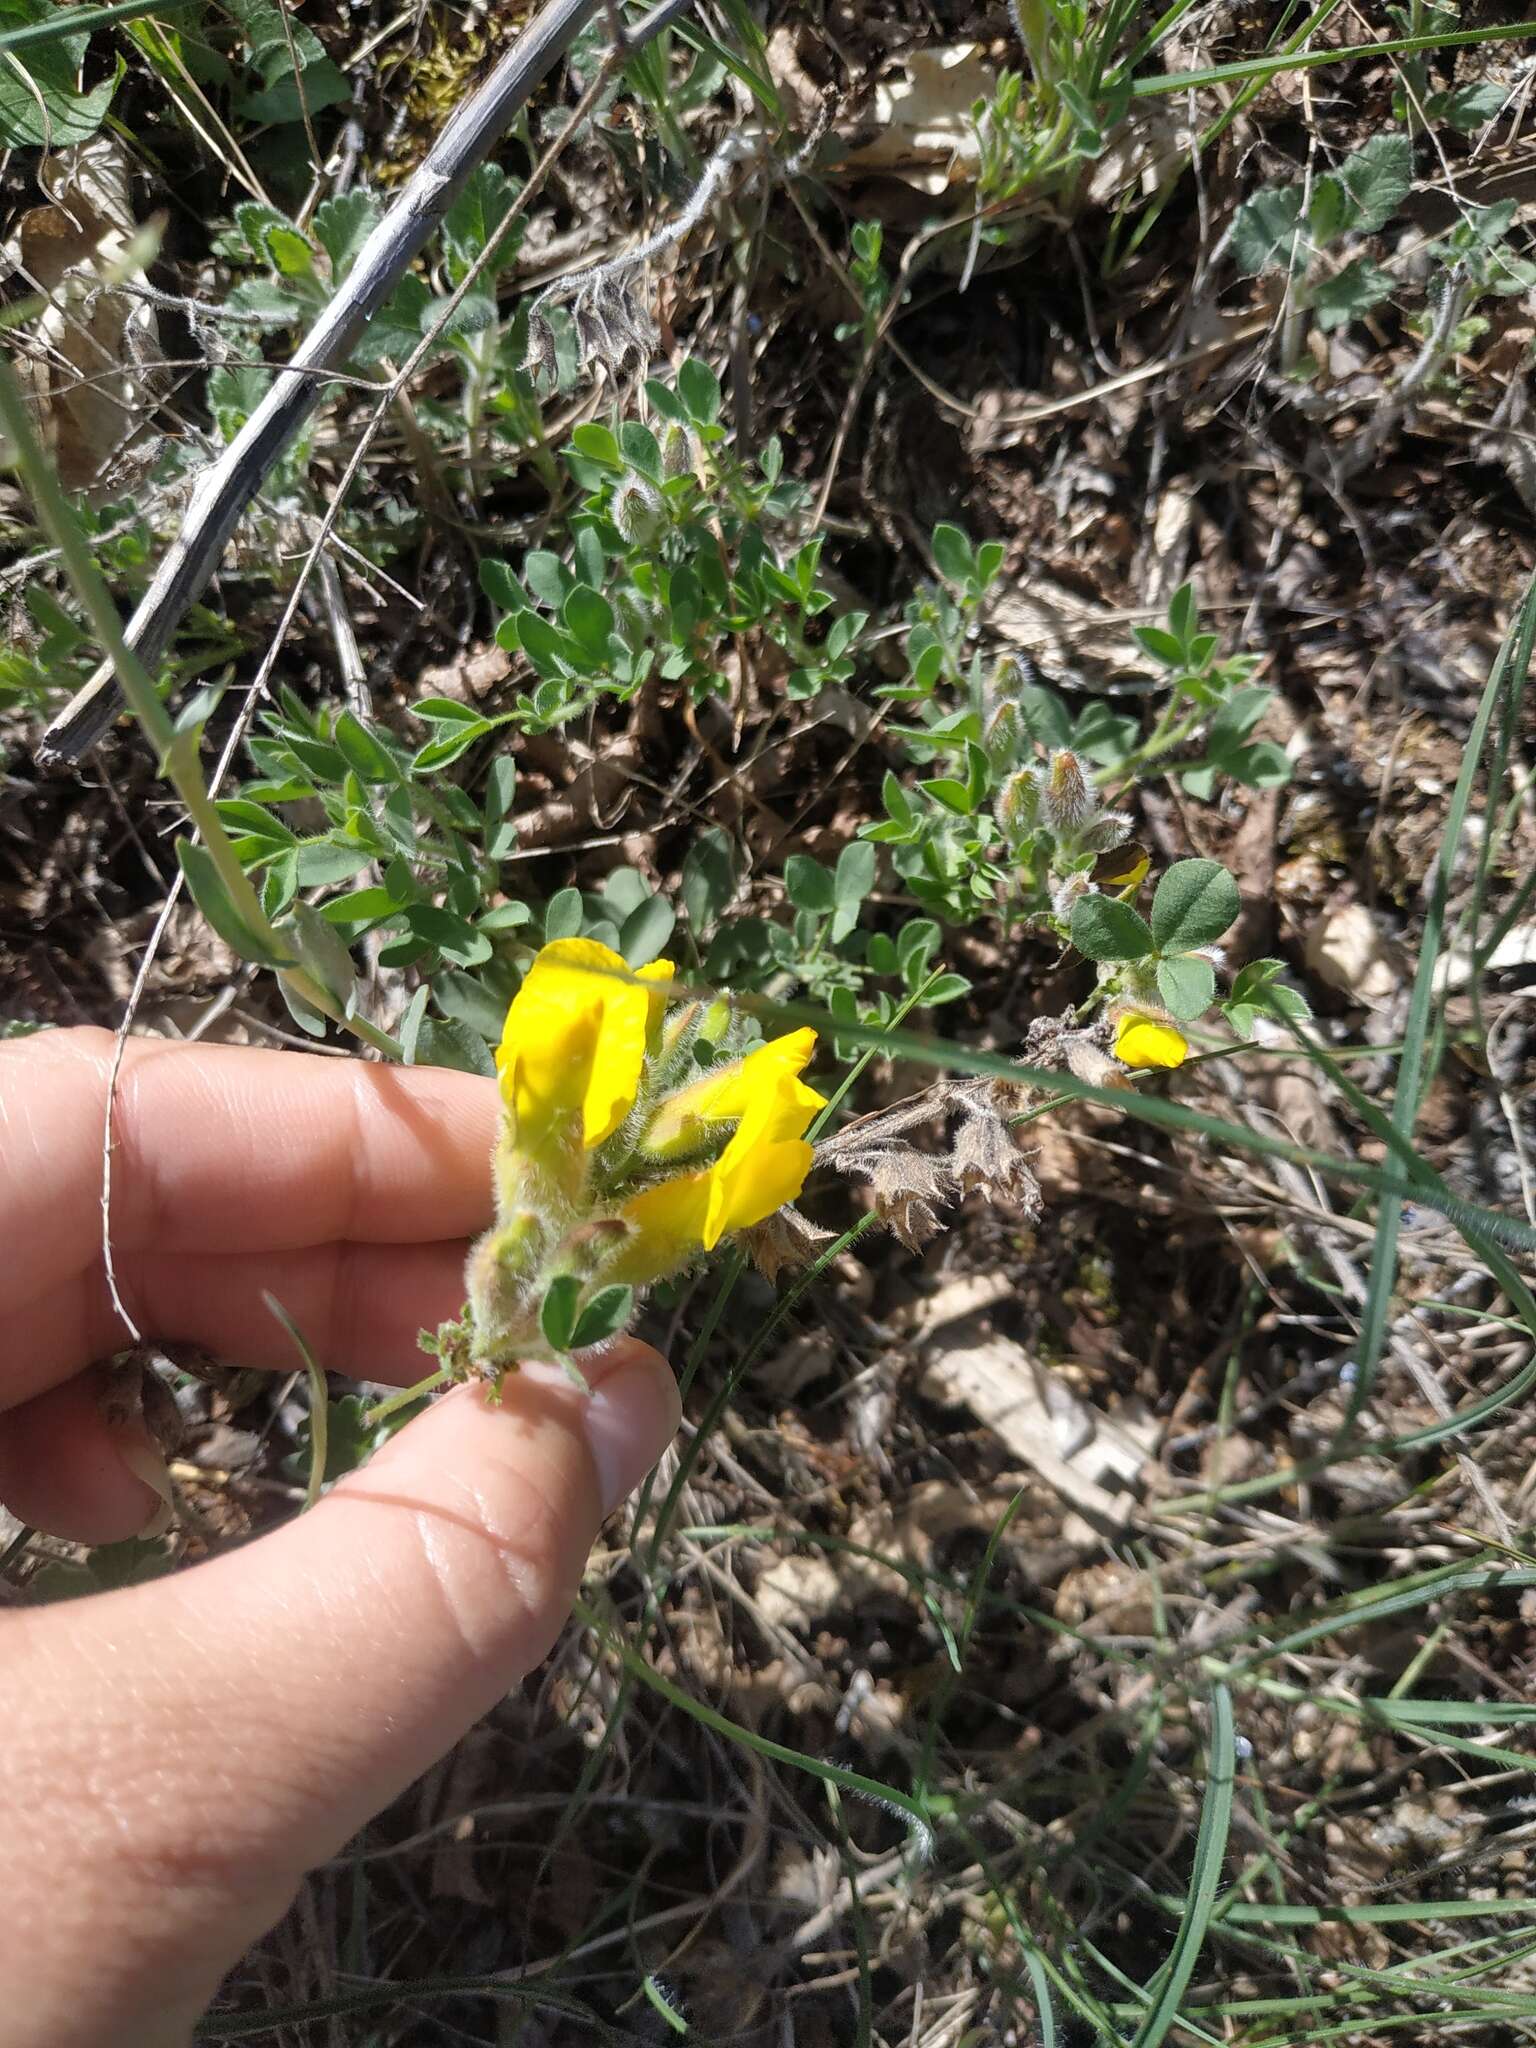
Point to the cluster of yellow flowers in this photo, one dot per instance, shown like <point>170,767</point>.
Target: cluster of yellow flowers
<point>632,1141</point>
<point>620,1159</point>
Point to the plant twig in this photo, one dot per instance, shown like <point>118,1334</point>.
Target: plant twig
<point>226,489</point>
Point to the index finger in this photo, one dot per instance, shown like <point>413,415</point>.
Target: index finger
<point>225,1148</point>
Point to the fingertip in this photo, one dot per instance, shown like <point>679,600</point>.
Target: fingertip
<point>630,1417</point>
<point>69,1471</point>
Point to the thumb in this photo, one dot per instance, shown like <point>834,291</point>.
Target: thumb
<point>178,1754</point>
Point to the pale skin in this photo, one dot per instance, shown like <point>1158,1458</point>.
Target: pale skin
<point>174,1757</point>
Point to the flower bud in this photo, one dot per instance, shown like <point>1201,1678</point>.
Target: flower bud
<point>1018,808</point>
<point>1005,737</point>
<point>1069,794</point>
<point>677,457</point>
<point>638,512</point>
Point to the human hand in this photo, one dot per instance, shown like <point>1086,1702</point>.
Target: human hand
<point>175,1756</point>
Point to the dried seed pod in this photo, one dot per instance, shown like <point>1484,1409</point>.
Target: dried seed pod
<point>540,359</point>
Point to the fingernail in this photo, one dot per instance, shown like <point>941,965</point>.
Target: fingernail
<point>145,1460</point>
<point>629,1418</point>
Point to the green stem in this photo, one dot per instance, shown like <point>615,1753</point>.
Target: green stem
<point>177,750</point>
<point>395,1402</point>
<point>900,1016</point>
<point>1170,732</point>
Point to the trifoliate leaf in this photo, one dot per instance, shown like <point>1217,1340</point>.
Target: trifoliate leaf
<point>1195,902</point>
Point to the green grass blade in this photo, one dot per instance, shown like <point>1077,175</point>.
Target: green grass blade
<point>1309,60</point>
<point>79,21</point>
<point>1413,1070</point>
<point>1205,1878</point>
<point>746,1738</point>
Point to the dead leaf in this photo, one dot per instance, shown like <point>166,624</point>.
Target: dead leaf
<point>922,118</point>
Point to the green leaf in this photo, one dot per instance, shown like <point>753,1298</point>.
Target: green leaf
<point>1105,929</point>
<point>411,1023</point>
<point>1162,646</point>
<point>1265,229</point>
<point>471,222</point>
<point>268,300</point>
<point>1468,107</point>
<point>364,752</point>
<point>41,104</point>
<point>500,789</point>
<point>465,997</point>
<point>451,742</point>
<point>1354,290</point>
<point>1264,765</point>
<point>1182,613</point>
<point>557,1312</point>
<point>1045,715</point>
<point>1187,985</point>
<point>1258,987</point>
<point>639,448</point>
<point>597,443</point>
<point>699,389</point>
<point>854,876</point>
<point>208,892</point>
<point>322,951</point>
<point>589,618</point>
<point>362,906</point>
<point>916,946</point>
<point>1376,180</point>
<point>954,796</point>
<point>604,1316</point>
<point>342,225</point>
<point>324,862</point>
<point>945,988</point>
<point>808,885</point>
<point>709,880</point>
<point>501,587</point>
<point>1328,212</point>
<point>1195,902</point>
<point>506,917</point>
<point>243,816</point>
<point>646,930</point>
<point>1239,715</point>
<point>952,553</point>
<point>563,917</point>
<point>452,936</point>
<point>449,1042</point>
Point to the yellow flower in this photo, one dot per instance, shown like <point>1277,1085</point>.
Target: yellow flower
<point>762,1167</point>
<point>1142,1041</point>
<point>575,1042</point>
<point>685,1122</point>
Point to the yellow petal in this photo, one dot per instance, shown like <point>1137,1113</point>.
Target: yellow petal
<point>1142,1041</point>
<point>669,1220</point>
<point>683,1122</point>
<point>575,1039</point>
<point>763,1167</point>
<point>765,1164</point>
